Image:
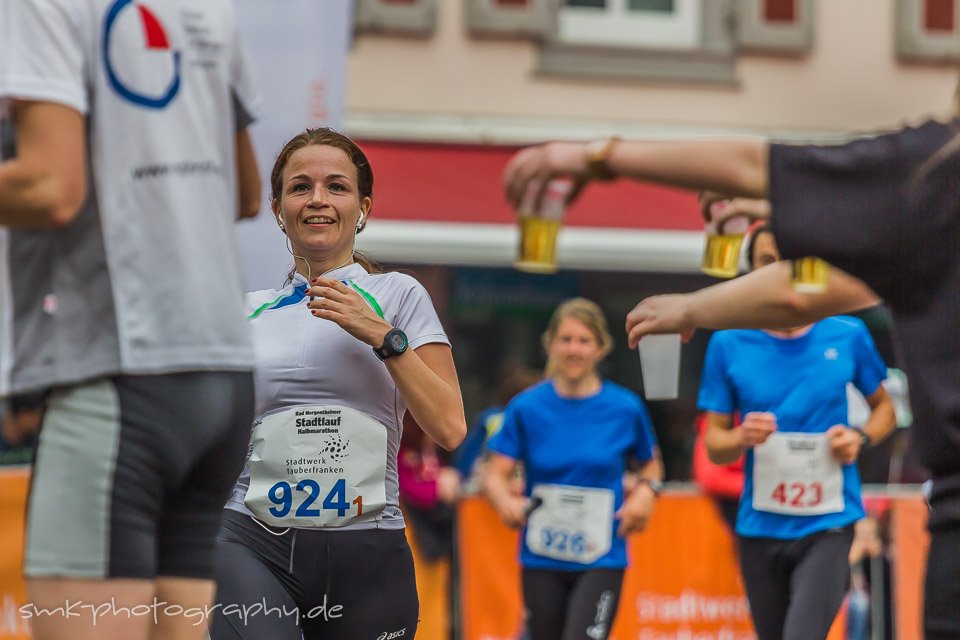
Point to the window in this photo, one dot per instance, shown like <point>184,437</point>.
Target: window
<point>669,24</point>
<point>779,11</point>
<point>659,40</point>
<point>777,26</point>
<point>410,17</point>
<point>927,30</point>
<point>938,16</point>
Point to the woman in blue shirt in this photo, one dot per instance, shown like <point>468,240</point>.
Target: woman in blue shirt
<point>801,493</point>
<point>576,435</point>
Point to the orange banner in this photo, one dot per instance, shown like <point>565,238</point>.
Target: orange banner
<point>682,583</point>
<point>908,529</point>
<point>13,594</point>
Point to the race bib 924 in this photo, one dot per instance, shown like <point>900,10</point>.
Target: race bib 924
<point>317,466</point>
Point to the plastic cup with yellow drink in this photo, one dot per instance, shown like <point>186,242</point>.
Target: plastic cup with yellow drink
<point>810,275</point>
<point>721,249</point>
<point>540,226</point>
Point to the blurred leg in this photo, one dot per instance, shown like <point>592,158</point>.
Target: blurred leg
<point>818,585</point>
<point>545,597</point>
<point>766,578</point>
<point>593,604</point>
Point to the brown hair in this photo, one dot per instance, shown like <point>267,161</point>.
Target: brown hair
<point>586,311</point>
<point>755,233</point>
<point>324,136</point>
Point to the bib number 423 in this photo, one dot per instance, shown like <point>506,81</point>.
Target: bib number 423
<point>798,494</point>
<point>282,495</point>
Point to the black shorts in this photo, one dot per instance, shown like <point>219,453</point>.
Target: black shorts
<point>796,587</point>
<point>324,584</point>
<point>571,605</point>
<point>132,472</point>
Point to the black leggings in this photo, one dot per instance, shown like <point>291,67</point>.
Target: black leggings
<point>796,587</point>
<point>941,614</point>
<point>327,585</point>
<point>571,605</point>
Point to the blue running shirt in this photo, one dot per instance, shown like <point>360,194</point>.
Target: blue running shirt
<point>802,381</point>
<point>582,442</point>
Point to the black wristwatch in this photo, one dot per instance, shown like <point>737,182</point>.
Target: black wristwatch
<point>655,485</point>
<point>394,343</point>
<point>864,438</point>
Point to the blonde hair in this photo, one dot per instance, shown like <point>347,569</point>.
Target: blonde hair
<point>586,311</point>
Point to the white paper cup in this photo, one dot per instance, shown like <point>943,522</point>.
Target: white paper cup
<point>660,365</point>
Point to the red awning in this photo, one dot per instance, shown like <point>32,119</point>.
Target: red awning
<point>461,183</point>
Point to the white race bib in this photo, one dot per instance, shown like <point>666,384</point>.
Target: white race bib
<point>317,466</point>
<point>794,474</point>
<point>574,524</point>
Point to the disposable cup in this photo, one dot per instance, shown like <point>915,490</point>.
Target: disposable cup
<point>660,365</point>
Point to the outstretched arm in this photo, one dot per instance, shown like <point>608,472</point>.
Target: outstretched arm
<point>737,167</point>
<point>761,299</point>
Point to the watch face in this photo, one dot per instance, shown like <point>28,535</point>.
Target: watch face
<point>398,341</point>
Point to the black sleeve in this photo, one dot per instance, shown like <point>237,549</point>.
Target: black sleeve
<point>8,147</point>
<point>856,205</point>
<point>241,117</point>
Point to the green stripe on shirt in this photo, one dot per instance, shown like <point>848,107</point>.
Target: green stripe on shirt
<point>369,298</point>
<point>265,306</point>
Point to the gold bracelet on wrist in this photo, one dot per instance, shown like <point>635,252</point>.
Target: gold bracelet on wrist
<point>598,152</point>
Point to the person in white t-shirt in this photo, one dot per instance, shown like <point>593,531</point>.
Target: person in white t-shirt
<point>120,294</point>
<point>313,536</point>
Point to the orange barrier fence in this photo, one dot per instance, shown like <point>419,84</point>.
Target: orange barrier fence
<point>433,588</point>
<point>682,584</point>
<point>13,594</point>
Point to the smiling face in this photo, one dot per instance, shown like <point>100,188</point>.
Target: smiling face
<point>319,203</point>
<point>574,351</point>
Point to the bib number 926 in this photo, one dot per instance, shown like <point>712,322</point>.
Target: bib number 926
<point>564,541</point>
<point>308,492</point>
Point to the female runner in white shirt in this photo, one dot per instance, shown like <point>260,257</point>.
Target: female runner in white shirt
<point>313,538</point>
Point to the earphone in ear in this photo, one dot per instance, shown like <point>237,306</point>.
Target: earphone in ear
<point>280,223</point>
<point>360,220</point>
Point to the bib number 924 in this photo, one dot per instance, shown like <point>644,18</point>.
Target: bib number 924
<point>563,540</point>
<point>308,492</point>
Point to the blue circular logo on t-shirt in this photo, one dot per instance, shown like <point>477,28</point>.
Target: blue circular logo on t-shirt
<point>155,43</point>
